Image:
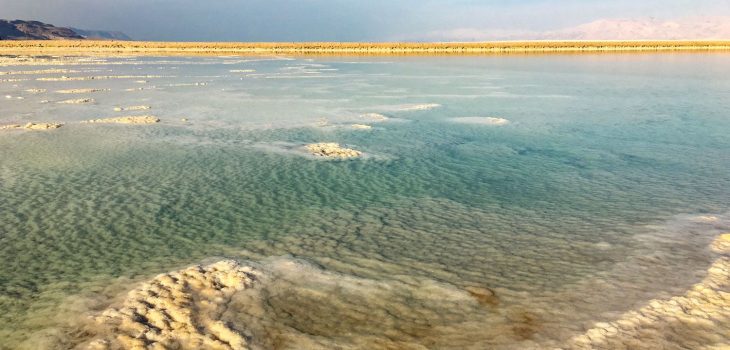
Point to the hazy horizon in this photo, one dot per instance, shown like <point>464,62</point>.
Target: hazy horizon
<point>349,20</point>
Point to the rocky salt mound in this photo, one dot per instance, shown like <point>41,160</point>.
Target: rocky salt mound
<point>331,150</point>
<point>31,126</point>
<point>691,321</point>
<point>178,310</point>
<point>142,119</point>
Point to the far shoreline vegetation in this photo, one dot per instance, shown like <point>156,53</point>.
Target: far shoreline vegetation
<point>111,47</point>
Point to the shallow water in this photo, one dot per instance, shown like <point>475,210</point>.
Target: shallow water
<point>582,207</point>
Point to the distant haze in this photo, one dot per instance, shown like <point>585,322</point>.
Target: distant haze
<point>381,20</point>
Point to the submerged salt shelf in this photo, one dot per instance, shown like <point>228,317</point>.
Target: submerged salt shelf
<point>595,221</point>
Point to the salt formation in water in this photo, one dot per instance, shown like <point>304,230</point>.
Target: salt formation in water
<point>361,126</point>
<point>419,107</point>
<point>178,310</point>
<point>102,77</point>
<point>35,91</point>
<point>32,126</point>
<point>690,321</point>
<point>141,119</point>
<point>300,306</point>
<point>481,120</point>
<point>79,91</point>
<point>77,101</point>
<point>139,89</point>
<point>187,84</point>
<point>132,108</point>
<point>374,117</point>
<point>331,150</point>
<point>40,71</point>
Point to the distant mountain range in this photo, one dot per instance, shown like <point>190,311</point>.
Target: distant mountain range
<point>688,28</point>
<point>34,30</point>
<point>101,34</point>
<point>692,28</point>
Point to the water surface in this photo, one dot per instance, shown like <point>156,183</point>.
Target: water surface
<point>583,207</point>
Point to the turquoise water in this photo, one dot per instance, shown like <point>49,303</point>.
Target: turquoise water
<point>585,186</point>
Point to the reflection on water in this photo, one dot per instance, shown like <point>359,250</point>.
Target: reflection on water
<point>543,232</point>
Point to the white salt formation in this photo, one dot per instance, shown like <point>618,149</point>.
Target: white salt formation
<point>187,84</point>
<point>139,89</point>
<point>481,120</point>
<point>31,126</point>
<point>419,107</point>
<point>374,117</point>
<point>706,218</point>
<point>361,126</point>
<point>79,91</point>
<point>35,91</point>
<point>42,71</point>
<point>140,119</point>
<point>331,150</point>
<point>178,310</point>
<point>132,108</point>
<point>102,77</point>
<point>77,101</point>
<point>694,320</point>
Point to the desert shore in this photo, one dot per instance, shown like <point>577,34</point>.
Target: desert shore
<point>356,48</point>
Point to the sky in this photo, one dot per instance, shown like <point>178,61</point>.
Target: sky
<point>347,20</point>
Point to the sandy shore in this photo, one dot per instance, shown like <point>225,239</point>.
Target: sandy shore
<point>218,48</point>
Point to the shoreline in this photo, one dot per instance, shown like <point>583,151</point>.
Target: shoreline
<point>90,47</point>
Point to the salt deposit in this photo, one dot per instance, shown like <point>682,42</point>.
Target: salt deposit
<point>689,321</point>
<point>178,310</point>
<point>79,91</point>
<point>374,117</point>
<point>419,107</point>
<point>31,126</point>
<point>77,101</point>
<point>132,108</point>
<point>142,119</point>
<point>331,150</point>
<point>481,120</point>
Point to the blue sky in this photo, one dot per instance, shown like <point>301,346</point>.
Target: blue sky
<point>339,20</point>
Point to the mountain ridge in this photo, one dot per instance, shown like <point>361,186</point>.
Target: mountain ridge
<point>101,34</point>
<point>687,28</point>
<point>36,30</point>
